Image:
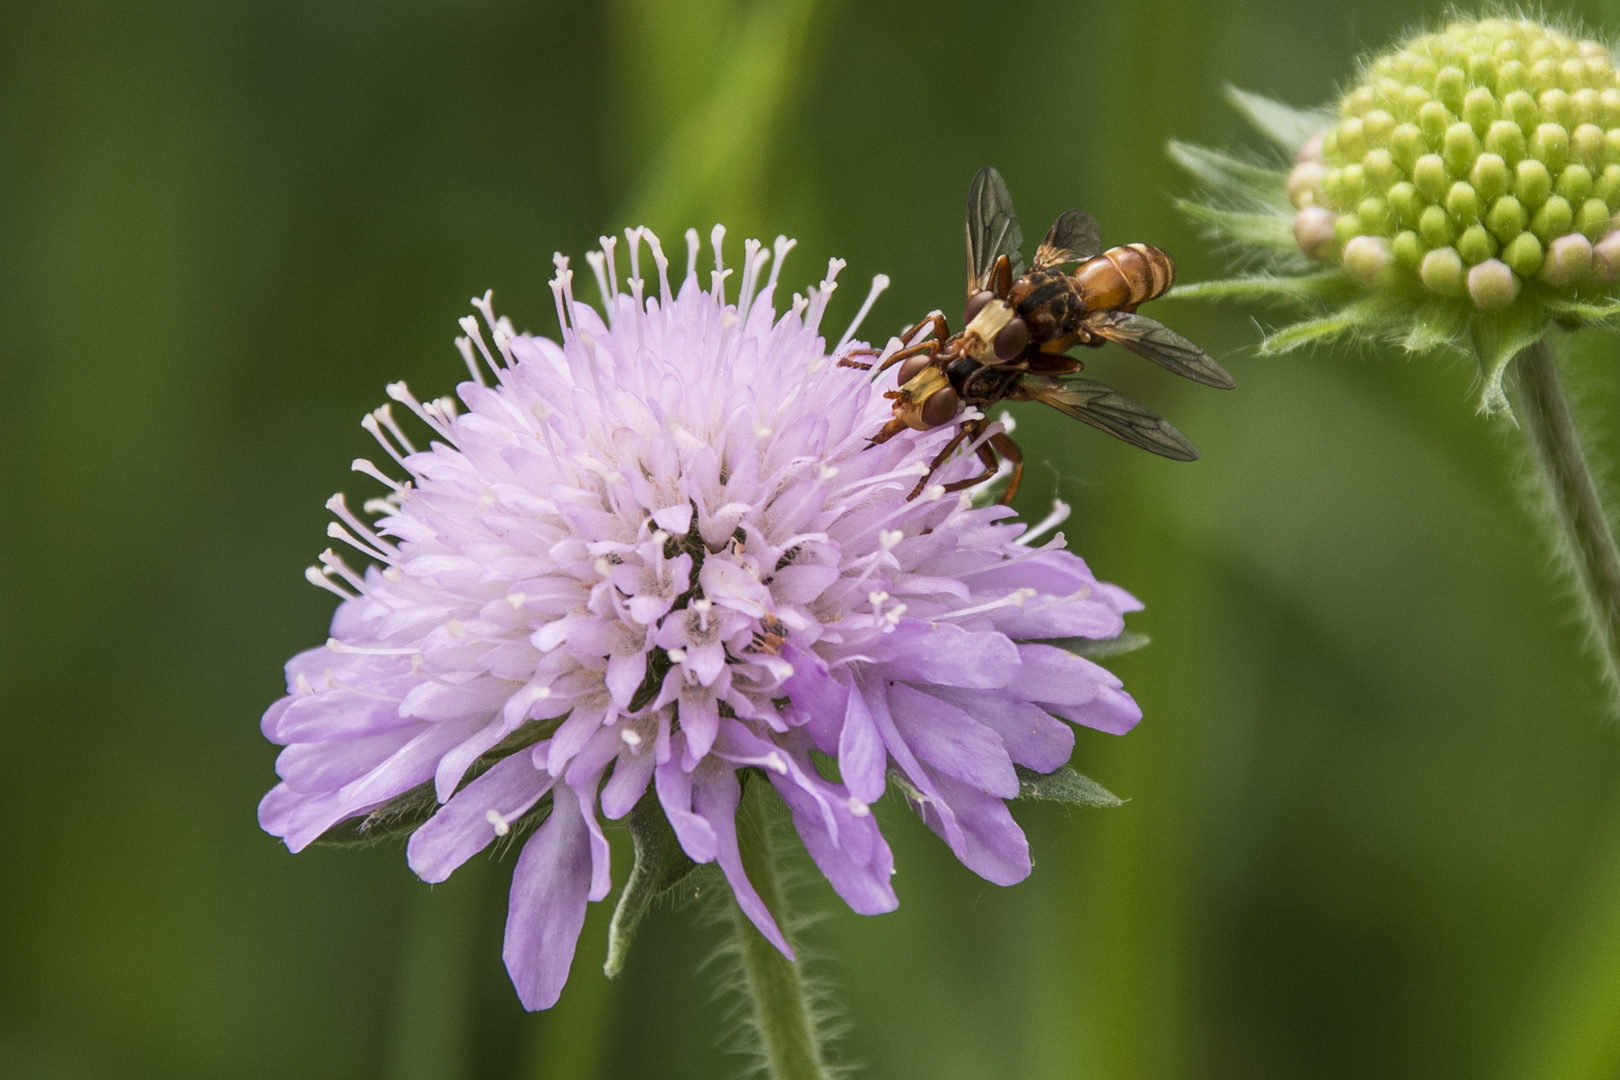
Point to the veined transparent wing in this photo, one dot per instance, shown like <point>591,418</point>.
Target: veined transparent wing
<point>1073,237</point>
<point>1105,409</point>
<point>992,230</point>
<point>1152,339</point>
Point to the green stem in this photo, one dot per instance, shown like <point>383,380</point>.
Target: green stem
<point>1583,526</point>
<point>776,991</point>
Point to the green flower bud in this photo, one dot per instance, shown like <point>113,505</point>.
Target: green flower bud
<point>1404,200</point>
<point>1352,138</point>
<point>1492,286</point>
<point>1505,140</point>
<point>1593,219</point>
<point>1476,245</point>
<point>1543,75</point>
<point>1523,254</point>
<point>1511,78</point>
<point>1436,227</point>
<point>1377,126</point>
<point>1607,186</point>
<point>1589,145</point>
<point>1314,232</point>
<point>1380,170</point>
<point>1480,109</point>
<point>1569,260</point>
<point>1482,68</point>
<point>1550,146</point>
<point>1507,219</point>
<point>1450,87</point>
<point>1490,176</point>
<point>1553,219</point>
<point>1555,108</point>
<point>1532,183</point>
<point>1463,203</point>
<point>1409,249</point>
<point>1574,184</point>
<point>1442,272</point>
<point>1346,227</point>
<point>1610,100</point>
<point>1370,260</point>
<point>1611,146</point>
<point>1429,174</point>
<point>1406,143</point>
<point>1375,216</point>
<point>1434,118</point>
<point>1588,107</point>
<point>1461,148</point>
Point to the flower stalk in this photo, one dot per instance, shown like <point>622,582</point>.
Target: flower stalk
<point>1549,426</point>
<point>777,996</point>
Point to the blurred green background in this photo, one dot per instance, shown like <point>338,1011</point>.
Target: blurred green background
<point>1374,827</point>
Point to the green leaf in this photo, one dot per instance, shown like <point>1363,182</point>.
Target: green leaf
<point>1499,336</point>
<point>1585,310</point>
<point>1297,289</point>
<point>1436,324</point>
<point>1064,786</point>
<point>660,865</point>
<point>1262,230</point>
<point>1288,127</point>
<point>1239,180</point>
<point>1303,333</point>
<point>1097,648</point>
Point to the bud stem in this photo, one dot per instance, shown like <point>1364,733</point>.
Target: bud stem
<point>1583,526</point>
<point>775,986</point>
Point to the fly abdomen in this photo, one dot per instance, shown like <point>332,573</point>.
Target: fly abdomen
<point>1123,277</point>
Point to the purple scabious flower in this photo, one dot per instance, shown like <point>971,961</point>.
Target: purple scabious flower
<point>660,553</point>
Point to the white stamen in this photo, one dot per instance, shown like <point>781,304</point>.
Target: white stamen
<point>502,826</point>
<point>361,465</point>
<point>775,763</point>
<point>1006,421</point>
<point>1059,514</point>
<point>598,263</point>
<point>379,507</point>
<point>1015,598</point>
<point>393,574</point>
<point>369,422</point>
<point>664,294</point>
<point>889,539</point>
<point>933,493</point>
<point>603,566</point>
<point>783,245</point>
<point>476,335</point>
<point>516,599</point>
<point>338,532</point>
<point>827,472</point>
<point>857,807</point>
<point>609,243</point>
<point>631,738</point>
<point>879,283</point>
<point>693,246</point>
<point>337,646</point>
<point>455,628</point>
<point>464,346</point>
<point>677,656</point>
<point>632,245</point>
<point>301,685</point>
<point>717,278</point>
<point>315,576</point>
<point>385,414</point>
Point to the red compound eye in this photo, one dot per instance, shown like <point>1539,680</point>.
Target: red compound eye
<point>910,367</point>
<point>1012,339</point>
<point>940,407</point>
<point>976,304</point>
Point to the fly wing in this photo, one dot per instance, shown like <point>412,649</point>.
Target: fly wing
<point>1074,237</point>
<point>1158,343</point>
<point>992,230</point>
<point>1108,410</point>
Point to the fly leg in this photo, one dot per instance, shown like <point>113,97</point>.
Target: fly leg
<point>1008,449</point>
<point>971,427</point>
<point>986,455</point>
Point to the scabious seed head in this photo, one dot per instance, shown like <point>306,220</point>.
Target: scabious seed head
<point>1464,192</point>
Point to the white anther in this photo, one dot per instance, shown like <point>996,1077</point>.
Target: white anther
<point>677,656</point>
<point>603,566</point>
<point>455,629</point>
<point>702,605</point>
<point>933,493</point>
<point>775,763</point>
<point>660,537</point>
<point>301,684</point>
<point>761,431</point>
<point>516,599</point>
<point>631,738</point>
<point>1006,421</point>
<point>858,808</point>
<point>827,472</point>
<point>889,539</point>
<point>502,826</point>
<point>393,574</point>
<point>877,598</point>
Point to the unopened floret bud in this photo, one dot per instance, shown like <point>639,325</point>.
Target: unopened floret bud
<point>1462,203</point>
<point>1569,260</point>
<point>1574,184</point>
<point>1370,260</point>
<point>1489,176</point>
<point>1593,218</point>
<point>1532,183</point>
<point>1550,146</point>
<point>1429,176</point>
<point>1606,259</point>
<point>1314,232</point>
<point>1435,227</point>
<point>1491,285</point>
<point>1305,183</point>
<point>1553,219</point>
<point>1506,218</point>
<point>1523,254</point>
<point>1442,272</point>
<point>1476,245</point>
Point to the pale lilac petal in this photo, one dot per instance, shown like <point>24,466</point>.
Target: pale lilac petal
<point>1112,710</point>
<point>1033,737</point>
<point>630,777</point>
<point>952,742</point>
<point>861,757</point>
<point>859,869</point>
<point>992,845</point>
<point>461,828</point>
<point>547,906</point>
<point>313,767</point>
<point>715,795</point>
<point>951,656</point>
<point>674,786</point>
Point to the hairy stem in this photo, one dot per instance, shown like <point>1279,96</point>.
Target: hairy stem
<point>776,990</point>
<point>1544,412</point>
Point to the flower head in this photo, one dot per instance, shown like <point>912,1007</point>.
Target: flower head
<point>1464,192</point>
<point>654,559</point>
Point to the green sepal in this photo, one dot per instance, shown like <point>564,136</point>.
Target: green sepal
<point>1288,127</point>
<point>1323,286</point>
<point>1499,336</point>
<point>1584,310</point>
<point>1229,176</point>
<point>1275,231</point>
<point>399,816</point>
<point>1064,786</point>
<point>406,812</point>
<point>1436,324</point>
<point>1097,648</point>
<point>660,865</point>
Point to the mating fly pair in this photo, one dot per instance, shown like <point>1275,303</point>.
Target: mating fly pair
<point>1018,325</point>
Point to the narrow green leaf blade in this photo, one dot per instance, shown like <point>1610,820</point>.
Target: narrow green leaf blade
<point>1240,180</point>
<point>1097,648</point>
<point>1274,231</point>
<point>1288,127</point>
<point>660,865</point>
<point>1064,786</point>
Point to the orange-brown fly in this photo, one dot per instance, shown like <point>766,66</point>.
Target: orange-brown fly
<point>1017,326</point>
